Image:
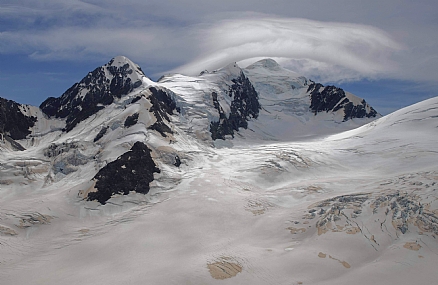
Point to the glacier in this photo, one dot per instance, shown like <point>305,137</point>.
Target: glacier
<point>129,184</point>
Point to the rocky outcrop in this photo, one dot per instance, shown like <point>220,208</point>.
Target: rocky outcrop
<point>131,120</point>
<point>162,107</point>
<point>13,122</point>
<point>244,106</point>
<point>358,111</point>
<point>96,90</point>
<point>133,171</point>
<point>101,133</point>
<point>332,99</point>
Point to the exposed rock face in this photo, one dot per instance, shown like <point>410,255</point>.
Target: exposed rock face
<point>332,99</point>
<point>245,105</point>
<point>101,133</point>
<point>131,120</point>
<point>98,89</point>
<point>162,106</point>
<point>13,122</point>
<point>358,111</point>
<point>177,161</point>
<point>133,171</point>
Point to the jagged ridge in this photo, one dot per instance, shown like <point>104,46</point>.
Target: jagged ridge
<point>98,89</point>
<point>332,99</point>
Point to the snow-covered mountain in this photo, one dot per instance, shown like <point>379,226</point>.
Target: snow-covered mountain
<point>215,105</point>
<point>264,101</point>
<point>95,91</point>
<point>250,175</point>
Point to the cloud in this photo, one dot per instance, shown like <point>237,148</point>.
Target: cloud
<point>312,69</point>
<point>190,36</point>
<point>74,30</point>
<point>322,50</point>
<point>361,50</point>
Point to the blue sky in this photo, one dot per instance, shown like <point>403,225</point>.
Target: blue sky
<point>383,51</point>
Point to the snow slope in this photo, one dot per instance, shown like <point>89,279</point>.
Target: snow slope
<point>353,207</point>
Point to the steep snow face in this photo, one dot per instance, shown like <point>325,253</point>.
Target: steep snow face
<point>99,88</point>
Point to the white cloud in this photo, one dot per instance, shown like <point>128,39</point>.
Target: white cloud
<point>315,70</point>
<point>337,48</point>
<point>322,50</point>
<point>197,36</point>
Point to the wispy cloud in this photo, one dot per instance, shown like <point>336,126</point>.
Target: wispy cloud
<point>189,36</point>
<point>324,50</point>
<point>358,49</point>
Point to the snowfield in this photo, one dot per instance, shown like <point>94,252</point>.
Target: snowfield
<point>269,206</point>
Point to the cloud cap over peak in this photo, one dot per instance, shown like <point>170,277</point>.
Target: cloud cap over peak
<point>362,50</point>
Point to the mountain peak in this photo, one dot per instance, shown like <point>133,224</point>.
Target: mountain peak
<point>120,61</point>
<point>98,88</point>
<point>231,69</point>
<point>267,63</point>
<point>270,66</point>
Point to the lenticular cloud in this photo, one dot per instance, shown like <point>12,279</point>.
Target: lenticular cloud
<point>363,50</point>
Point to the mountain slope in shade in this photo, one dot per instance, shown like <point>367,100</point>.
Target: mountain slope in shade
<point>140,192</point>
